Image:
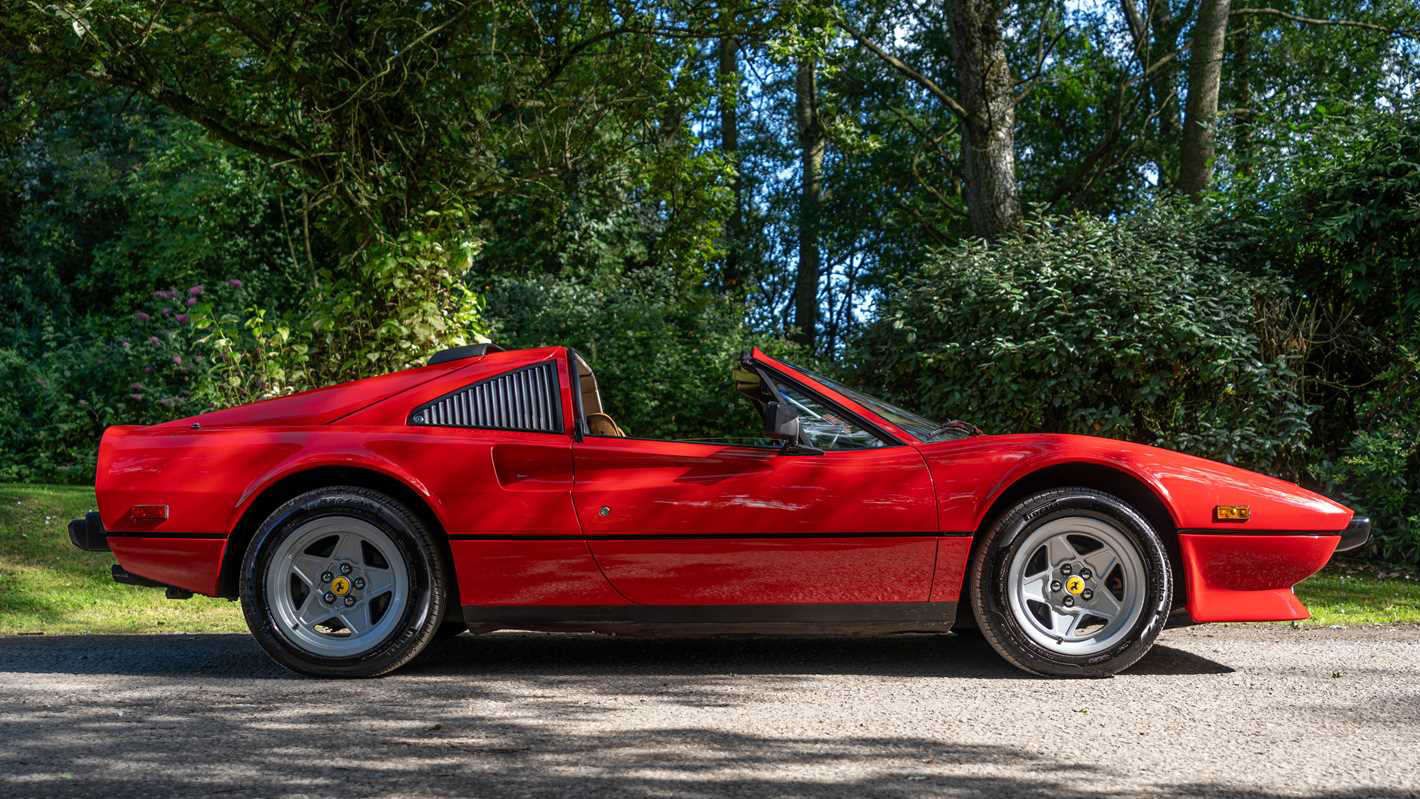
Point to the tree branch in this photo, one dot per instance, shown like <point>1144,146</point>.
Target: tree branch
<point>897,64</point>
<point>1347,23</point>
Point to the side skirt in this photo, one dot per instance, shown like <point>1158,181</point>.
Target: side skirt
<point>706,620</point>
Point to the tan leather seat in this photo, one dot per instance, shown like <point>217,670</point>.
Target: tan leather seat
<point>600,424</point>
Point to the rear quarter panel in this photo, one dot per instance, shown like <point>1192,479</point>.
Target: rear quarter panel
<point>474,481</point>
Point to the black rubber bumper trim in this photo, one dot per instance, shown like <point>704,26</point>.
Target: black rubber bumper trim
<point>1356,535</point>
<point>126,577</point>
<point>690,536</point>
<point>166,534</point>
<point>88,533</point>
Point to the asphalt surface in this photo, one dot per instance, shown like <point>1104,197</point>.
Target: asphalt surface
<point>1253,711</point>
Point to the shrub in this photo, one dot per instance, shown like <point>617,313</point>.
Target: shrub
<point>662,353</point>
<point>1379,472</point>
<point>403,300</point>
<point>1133,329</point>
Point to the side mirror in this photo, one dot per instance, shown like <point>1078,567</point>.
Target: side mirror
<point>781,422</point>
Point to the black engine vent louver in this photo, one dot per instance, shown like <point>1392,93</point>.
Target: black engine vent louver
<point>525,399</point>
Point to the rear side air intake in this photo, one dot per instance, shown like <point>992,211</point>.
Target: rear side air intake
<point>526,399</point>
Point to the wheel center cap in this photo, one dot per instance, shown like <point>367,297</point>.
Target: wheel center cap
<point>1075,585</point>
<point>340,586</point>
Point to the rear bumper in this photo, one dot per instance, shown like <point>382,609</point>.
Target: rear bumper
<point>88,533</point>
<point>1240,577</point>
<point>181,562</point>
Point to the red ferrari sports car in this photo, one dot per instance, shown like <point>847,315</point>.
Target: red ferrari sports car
<point>492,490</point>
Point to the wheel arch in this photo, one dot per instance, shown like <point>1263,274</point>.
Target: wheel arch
<point>289,486</point>
<point>1129,487</point>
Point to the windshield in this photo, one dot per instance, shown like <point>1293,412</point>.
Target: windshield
<point>916,424</point>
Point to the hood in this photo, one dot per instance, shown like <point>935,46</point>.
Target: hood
<point>322,405</point>
<point>1191,486</point>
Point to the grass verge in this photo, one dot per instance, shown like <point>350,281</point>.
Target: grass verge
<point>48,586</point>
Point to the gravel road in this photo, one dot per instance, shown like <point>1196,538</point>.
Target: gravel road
<point>1252,711</point>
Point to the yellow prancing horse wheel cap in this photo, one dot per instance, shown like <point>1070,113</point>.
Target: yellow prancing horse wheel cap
<point>340,586</point>
<point>1075,585</point>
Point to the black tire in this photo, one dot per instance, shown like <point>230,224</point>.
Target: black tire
<point>990,583</point>
<point>428,576</point>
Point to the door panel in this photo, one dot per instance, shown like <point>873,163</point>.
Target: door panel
<point>681,523</point>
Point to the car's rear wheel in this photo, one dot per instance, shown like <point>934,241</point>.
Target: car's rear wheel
<point>343,581</point>
<point>1072,582</point>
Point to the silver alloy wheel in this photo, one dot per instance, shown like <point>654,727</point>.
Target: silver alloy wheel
<point>337,586</point>
<point>1077,585</point>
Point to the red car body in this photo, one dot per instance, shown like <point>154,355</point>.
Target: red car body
<point>566,529</point>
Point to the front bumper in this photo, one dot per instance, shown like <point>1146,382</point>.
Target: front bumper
<point>1242,577</point>
<point>1356,535</point>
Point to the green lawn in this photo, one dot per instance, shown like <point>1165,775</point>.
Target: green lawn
<point>48,586</point>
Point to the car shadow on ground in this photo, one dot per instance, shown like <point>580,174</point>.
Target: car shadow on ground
<point>965,655</point>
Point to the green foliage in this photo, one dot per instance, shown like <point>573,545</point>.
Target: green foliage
<point>1379,471</point>
<point>406,299</point>
<point>662,353</point>
<point>1344,221</point>
<point>1129,329</point>
<point>56,400</point>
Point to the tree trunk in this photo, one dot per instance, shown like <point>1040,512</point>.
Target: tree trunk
<point>729,83</point>
<point>1163,83</point>
<point>1205,71</point>
<point>810,130</point>
<point>988,142</point>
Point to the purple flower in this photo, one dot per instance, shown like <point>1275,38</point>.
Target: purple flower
<point>137,386</point>
<point>177,359</point>
<point>154,341</point>
<point>181,318</point>
<point>147,370</point>
<point>195,290</point>
<point>191,301</point>
<point>163,311</point>
<point>234,283</point>
<point>142,317</point>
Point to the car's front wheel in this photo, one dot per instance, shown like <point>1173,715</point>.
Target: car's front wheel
<point>1072,582</point>
<point>345,582</point>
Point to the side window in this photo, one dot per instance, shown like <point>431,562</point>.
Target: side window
<point>823,426</point>
<point>528,399</point>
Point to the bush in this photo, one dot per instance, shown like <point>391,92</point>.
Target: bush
<point>1379,473</point>
<point>662,353</point>
<point>1134,329</point>
<point>403,300</point>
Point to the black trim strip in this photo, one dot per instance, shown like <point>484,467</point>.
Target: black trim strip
<point>164,534</point>
<point>1243,531</point>
<point>689,536</point>
<point>579,422</point>
<point>889,613</point>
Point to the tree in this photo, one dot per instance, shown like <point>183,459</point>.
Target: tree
<point>811,148</point>
<point>985,92</point>
<point>1205,71</point>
